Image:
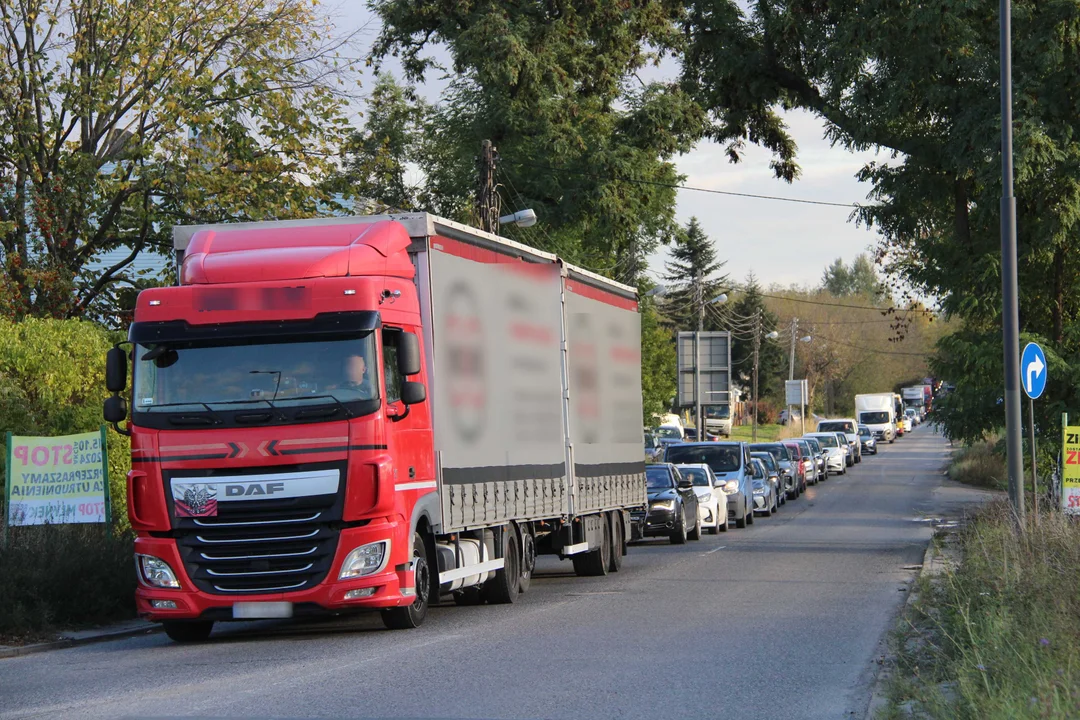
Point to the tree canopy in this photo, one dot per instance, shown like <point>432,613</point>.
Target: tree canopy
<point>691,272</point>
<point>120,118</point>
<point>859,278</point>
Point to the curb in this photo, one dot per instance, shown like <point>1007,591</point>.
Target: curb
<point>879,696</point>
<point>69,642</point>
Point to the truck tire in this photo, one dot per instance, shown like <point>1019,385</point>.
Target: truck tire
<point>412,616</point>
<point>595,562</point>
<point>188,631</point>
<point>503,588</point>
<point>617,542</point>
<point>528,560</point>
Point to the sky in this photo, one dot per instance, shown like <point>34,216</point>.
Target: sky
<point>780,242</point>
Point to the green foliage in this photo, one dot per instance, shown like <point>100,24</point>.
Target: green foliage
<point>858,279</point>
<point>57,577</point>
<point>935,104</point>
<point>52,382</point>
<point>752,317</point>
<point>691,274</point>
<point>980,464</point>
<point>120,119</point>
<point>553,85</point>
<point>996,636</point>
<point>657,365</point>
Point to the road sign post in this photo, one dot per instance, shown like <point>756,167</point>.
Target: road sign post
<point>1033,375</point>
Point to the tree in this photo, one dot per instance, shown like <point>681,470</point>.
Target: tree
<point>376,157</point>
<point>658,367</point>
<point>935,105</point>
<point>691,272</point>
<point>119,119</point>
<point>860,279</point>
<point>554,86</point>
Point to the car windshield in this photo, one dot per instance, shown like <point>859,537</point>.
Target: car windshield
<point>836,426</point>
<point>864,431</point>
<point>697,476</point>
<point>668,432</point>
<point>794,450</point>
<point>812,442</point>
<point>200,376</point>
<point>650,441</point>
<point>658,478</point>
<point>721,458</point>
<point>779,452</point>
<point>828,440</point>
<point>874,418</point>
<point>766,459</point>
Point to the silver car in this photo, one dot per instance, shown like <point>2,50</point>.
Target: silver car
<point>836,450</point>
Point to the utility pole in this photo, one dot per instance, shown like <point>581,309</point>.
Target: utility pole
<point>791,362</point>
<point>699,297</point>
<point>487,200</point>
<point>757,358</point>
<point>1010,314</point>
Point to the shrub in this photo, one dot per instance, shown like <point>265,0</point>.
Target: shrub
<point>61,576</point>
<point>980,464</point>
<point>52,382</point>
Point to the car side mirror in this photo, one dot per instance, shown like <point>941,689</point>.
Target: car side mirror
<point>413,392</point>
<point>685,484</point>
<point>115,370</point>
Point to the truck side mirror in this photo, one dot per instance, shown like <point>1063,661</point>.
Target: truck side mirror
<point>413,392</point>
<point>116,370</point>
<point>115,409</point>
<point>408,354</point>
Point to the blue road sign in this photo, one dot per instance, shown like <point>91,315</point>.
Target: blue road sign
<point>1033,370</point>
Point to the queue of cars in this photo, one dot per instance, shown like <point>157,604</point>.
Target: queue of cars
<point>708,486</point>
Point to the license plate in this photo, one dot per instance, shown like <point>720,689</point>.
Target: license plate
<point>261,610</point>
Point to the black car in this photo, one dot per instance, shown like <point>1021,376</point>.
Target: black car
<point>789,475</point>
<point>673,506</point>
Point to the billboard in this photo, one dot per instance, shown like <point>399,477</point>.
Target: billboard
<point>704,368</point>
<point>57,480</point>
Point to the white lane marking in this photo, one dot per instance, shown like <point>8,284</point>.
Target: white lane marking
<point>715,549</point>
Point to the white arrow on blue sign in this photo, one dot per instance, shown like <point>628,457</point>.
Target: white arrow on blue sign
<point>1033,370</point>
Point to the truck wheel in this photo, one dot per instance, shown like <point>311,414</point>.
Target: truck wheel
<point>595,562</point>
<point>412,616</point>
<point>617,542</point>
<point>503,588</point>
<point>528,560</point>
<point>184,632</point>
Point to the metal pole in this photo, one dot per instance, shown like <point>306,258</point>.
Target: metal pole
<point>757,351</point>
<point>1010,314</point>
<point>791,362</point>
<point>698,419</point>
<point>1034,466</point>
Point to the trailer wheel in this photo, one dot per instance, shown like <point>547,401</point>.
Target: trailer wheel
<point>185,632</point>
<point>617,538</point>
<point>412,616</point>
<point>503,588</point>
<point>528,560</point>
<point>595,562</point>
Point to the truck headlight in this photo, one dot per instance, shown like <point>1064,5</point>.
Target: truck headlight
<point>731,487</point>
<point>155,572</point>
<point>365,560</point>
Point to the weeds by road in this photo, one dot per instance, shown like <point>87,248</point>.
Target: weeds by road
<point>996,634</point>
<point>57,577</point>
<point>981,465</point>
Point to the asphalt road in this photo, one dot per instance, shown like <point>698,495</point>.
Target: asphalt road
<point>785,619</point>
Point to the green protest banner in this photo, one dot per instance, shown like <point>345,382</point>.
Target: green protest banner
<point>57,480</point>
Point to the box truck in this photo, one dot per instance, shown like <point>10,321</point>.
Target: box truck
<point>372,412</point>
<point>878,412</point>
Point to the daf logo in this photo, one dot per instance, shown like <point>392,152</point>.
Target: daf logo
<point>250,489</point>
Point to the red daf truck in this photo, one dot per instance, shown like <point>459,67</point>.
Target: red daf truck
<point>372,412</point>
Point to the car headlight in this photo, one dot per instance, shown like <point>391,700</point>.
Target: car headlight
<point>364,560</point>
<point>155,572</point>
<point>731,487</point>
<point>704,498</point>
<point>663,505</point>
<point>759,487</point>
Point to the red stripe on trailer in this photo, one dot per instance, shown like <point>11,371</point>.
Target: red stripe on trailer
<point>594,293</point>
<point>479,254</point>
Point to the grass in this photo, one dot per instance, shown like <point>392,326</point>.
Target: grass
<point>63,577</point>
<point>980,465</point>
<point>771,433</point>
<point>997,635</point>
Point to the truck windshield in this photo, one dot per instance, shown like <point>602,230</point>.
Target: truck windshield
<point>200,376</point>
<point>874,418</point>
<point>717,412</point>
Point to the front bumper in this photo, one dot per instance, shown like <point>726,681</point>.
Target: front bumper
<point>393,584</point>
<point>836,462</point>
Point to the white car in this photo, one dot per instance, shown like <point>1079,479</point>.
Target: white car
<point>712,500</point>
<point>835,453</point>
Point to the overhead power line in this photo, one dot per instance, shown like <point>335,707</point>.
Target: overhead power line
<point>656,183</point>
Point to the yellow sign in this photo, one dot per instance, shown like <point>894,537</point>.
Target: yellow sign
<point>56,480</point>
<point>1070,476</point>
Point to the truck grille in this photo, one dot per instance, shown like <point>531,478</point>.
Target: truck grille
<point>261,546</point>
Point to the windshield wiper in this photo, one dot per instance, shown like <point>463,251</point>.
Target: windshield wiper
<point>344,408</point>
<point>190,419</point>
